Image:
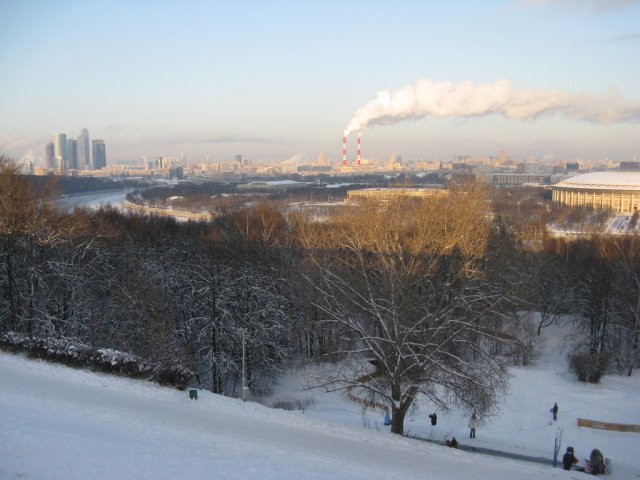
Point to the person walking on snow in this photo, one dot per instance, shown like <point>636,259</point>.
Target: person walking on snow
<point>434,419</point>
<point>554,410</point>
<point>473,424</point>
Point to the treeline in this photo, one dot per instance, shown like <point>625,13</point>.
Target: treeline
<point>172,294</point>
<point>184,295</point>
<point>168,293</point>
<point>594,279</point>
<point>598,281</point>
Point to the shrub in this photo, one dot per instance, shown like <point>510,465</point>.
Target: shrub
<point>589,368</point>
<point>177,376</point>
<point>293,403</point>
<point>72,352</point>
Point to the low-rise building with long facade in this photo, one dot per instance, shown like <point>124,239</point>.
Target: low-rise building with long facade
<point>617,191</point>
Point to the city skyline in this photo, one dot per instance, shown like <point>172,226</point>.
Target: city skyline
<point>272,80</point>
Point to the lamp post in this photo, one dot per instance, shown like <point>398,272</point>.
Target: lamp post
<point>245,389</point>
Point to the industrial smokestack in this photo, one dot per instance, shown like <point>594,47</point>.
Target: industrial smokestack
<point>427,98</point>
<point>359,133</point>
<point>344,151</point>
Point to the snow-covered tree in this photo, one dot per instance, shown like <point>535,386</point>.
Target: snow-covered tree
<point>404,284</point>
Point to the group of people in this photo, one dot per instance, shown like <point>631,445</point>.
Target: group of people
<point>473,424</point>
<point>595,465</point>
<point>453,443</point>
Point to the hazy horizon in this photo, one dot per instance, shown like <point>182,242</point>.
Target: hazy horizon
<point>271,80</point>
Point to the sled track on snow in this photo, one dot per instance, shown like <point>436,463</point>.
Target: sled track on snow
<point>495,453</point>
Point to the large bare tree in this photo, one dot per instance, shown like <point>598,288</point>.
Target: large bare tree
<point>403,282</point>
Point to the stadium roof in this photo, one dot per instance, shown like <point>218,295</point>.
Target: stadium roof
<point>603,181</point>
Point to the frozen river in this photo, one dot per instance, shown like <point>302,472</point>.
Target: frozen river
<point>116,198</point>
<point>94,200</point>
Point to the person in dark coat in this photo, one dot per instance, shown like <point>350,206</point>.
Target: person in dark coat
<point>597,461</point>
<point>434,419</point>
<point>453,443</point>
<point>554,410</point>
<point>569,459</point>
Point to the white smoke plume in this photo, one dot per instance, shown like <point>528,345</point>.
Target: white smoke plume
<point>444,99</point>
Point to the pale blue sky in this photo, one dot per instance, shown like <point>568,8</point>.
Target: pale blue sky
<point>271,79</point>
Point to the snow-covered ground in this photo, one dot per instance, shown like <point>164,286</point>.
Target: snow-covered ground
<point>617,225</point>
<point>62,423</point>
<point>524,422</point>
<point>621,224</point>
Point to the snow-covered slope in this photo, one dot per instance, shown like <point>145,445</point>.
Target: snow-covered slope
<point>62,423</point>
<point>523,424</point>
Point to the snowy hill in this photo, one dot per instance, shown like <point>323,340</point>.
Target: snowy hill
<point>523,425</point>
<point>62,423</point>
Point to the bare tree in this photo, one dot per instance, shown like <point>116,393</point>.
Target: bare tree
<point>624,254</point>
<point>26,226</point>
<point>404,284</point>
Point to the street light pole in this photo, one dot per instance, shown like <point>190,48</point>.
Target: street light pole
<point>245,390</point>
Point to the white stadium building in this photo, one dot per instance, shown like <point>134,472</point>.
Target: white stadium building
<point>618,191</point>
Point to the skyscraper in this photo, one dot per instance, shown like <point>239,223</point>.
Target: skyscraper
<point>84,150</point>
<point>60,151</point>
<point>99,154</point>
<point>72,153</point>
<point>50,156</point>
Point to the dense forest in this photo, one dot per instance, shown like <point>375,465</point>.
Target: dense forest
<point>399,299</point>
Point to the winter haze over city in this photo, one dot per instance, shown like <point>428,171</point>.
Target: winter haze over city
<point>319,240</point>
<point>276,79</point>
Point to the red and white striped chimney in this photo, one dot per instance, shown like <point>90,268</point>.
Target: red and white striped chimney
<point>344,151</point>
<point>359,133</point>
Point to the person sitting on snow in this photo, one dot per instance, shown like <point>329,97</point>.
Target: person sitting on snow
<point>597,462</point>
<point>569,459</point>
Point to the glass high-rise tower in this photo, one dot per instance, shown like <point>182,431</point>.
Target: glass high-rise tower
<point>72,154</point>
<point>99,154</point>
<point>84,150</point>
<point>60,151</point>
<point>50,156</point>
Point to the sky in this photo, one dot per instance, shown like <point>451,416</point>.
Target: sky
<point>274,79</point>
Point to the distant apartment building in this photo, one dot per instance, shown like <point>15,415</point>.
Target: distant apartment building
<point>388,194</point>
<point>163,162</point>
<point>518,179</point>
<point>572,166</point>
<point>99,154</point>
<point>630,166</point>
<point>275,185</point>
<point>427,165</point>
